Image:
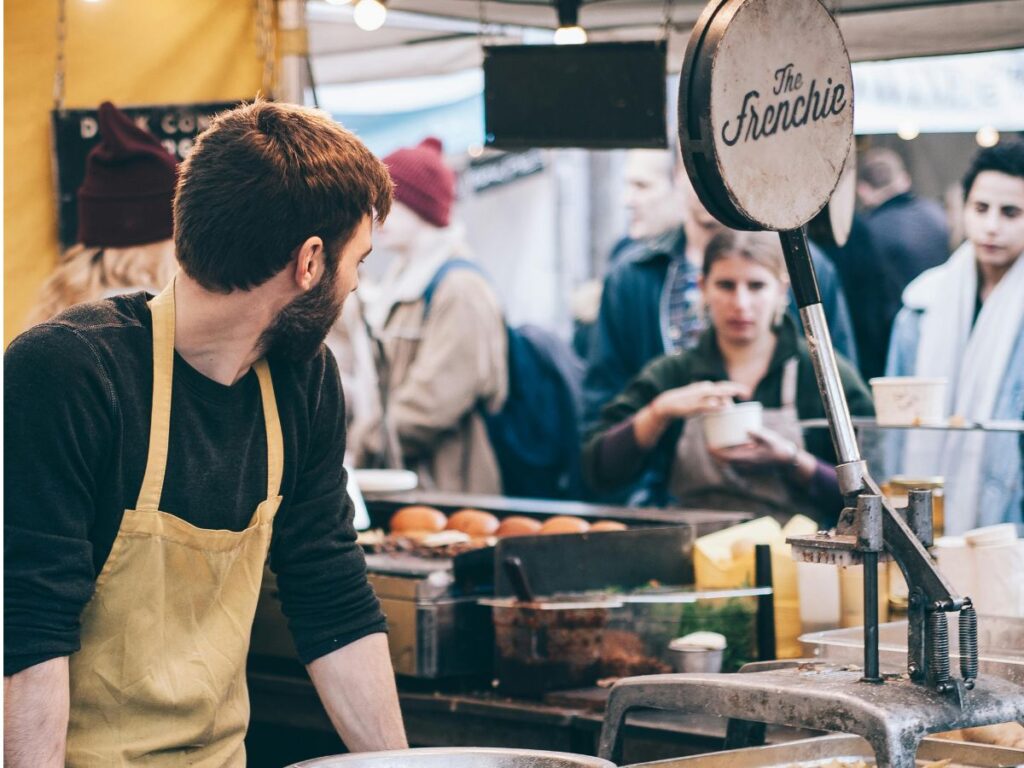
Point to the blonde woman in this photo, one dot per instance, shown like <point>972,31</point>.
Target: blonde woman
<point>125,220</point>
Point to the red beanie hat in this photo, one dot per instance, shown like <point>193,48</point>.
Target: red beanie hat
<point>422,180</point>
<point>127,195</point>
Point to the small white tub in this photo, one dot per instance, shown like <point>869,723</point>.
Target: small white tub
<point>730,427</point>
<point>907,401</point>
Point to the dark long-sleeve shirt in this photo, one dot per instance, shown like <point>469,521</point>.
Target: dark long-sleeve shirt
<point>77,400</point>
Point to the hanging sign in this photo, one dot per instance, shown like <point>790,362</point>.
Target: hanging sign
<point>76,131</point>
<point>765,111</point>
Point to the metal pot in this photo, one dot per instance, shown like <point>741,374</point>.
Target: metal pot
<point>696,659</point>
<point>457,757</point>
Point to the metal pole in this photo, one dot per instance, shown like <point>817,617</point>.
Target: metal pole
<point>851,468</point>
<point>871,674</point>
<point>294,47</point>
<point>765,603</point>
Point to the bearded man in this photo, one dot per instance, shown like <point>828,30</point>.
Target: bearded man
<point>158,449</point>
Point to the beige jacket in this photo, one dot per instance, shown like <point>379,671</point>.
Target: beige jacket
<point>442,368</point>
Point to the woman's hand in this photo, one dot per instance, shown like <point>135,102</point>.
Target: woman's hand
<point>696,398</point>
<point>651,421</point>
<point>767,448</point>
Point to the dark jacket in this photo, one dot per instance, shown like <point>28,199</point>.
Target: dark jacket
<point>627,334</point>
<point>873,285</point>
<point>705,363</point>
<point>910,233</point>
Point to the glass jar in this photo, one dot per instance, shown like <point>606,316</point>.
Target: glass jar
<point>899,487</point>
<point>897,491</point>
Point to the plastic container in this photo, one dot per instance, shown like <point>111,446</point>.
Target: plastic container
<point>724,429</point>
<point>992,535</point>
<point>1000,646</point>
<point>909,400</point>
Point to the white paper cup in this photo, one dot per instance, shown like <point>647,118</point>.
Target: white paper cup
<point>730,427</point>
<point>909,400</point>
<point>992,535</point>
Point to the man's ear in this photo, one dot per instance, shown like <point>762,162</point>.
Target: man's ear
<point>309,263</point>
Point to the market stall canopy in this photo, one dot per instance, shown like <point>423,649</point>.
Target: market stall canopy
<point>425,37</point>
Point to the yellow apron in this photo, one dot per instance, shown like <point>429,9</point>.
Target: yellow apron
<point>160,678</point>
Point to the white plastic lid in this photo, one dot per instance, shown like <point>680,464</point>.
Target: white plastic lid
<point>699,641</point>
<point>1004,533</point>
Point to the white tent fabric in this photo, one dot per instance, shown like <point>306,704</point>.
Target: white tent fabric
<point>942,94</point>
<point>425,37</point>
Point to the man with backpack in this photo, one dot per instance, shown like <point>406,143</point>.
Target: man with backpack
<point>477,406</point>
<point>447,358</point>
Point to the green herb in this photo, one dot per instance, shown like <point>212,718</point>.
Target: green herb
<point>733,617</point>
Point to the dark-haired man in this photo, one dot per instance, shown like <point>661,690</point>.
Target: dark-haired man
<point>136,532</point>
<point>908,232</point>
<point>964,321</point>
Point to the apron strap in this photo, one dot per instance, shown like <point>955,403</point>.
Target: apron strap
<point>275,442</point>
<point>789,376</point>
<point>162,310</point>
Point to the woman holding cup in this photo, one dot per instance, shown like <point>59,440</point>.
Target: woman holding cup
<point>717,427</point>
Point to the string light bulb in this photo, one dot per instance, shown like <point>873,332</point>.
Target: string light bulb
<point>908,131</point>
<point>576,35</point>
<point>987,136</point>
<point>569,31</point>
<point>369,15</point>
<point>338,2</point>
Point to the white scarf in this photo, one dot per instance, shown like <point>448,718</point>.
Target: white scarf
<point>408,275</point>
<point>974,362</point>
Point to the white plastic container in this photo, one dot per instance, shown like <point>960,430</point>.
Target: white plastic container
<point>992,535</point>
<point>909,400</point>
<point>730,427</point>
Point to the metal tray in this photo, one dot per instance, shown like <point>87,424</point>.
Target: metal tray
<point>1000,646</point>
<point>457,757</point>
<point>814,753</point>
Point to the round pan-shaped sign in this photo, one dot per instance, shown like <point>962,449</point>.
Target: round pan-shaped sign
<point>765,111</point>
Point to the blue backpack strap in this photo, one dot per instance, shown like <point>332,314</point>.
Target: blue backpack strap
<point>435,281</point>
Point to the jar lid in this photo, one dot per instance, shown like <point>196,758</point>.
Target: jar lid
<point>908,483</point>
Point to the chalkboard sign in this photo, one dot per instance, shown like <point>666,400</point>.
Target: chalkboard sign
<point>598,95</point>
<point>76,131</point>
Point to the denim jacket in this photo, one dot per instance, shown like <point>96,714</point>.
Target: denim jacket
<point>1002,489</point>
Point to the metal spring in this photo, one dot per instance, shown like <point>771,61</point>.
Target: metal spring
<point>938,647</point>
<point>968,642</point>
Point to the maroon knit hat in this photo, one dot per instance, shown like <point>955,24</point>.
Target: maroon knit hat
<point>127,194</point>
<point>422,180</point>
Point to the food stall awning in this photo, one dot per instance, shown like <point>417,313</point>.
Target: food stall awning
<point>944,94</point>
<point>437,36</point>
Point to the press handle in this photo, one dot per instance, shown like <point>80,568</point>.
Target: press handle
<point>517,575</point>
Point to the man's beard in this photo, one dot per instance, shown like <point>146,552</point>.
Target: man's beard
<point>300,328</point>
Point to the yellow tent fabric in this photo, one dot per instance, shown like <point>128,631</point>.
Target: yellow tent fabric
<point>130,52</point>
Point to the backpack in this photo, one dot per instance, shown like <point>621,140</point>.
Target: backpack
<point>536,434</point>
